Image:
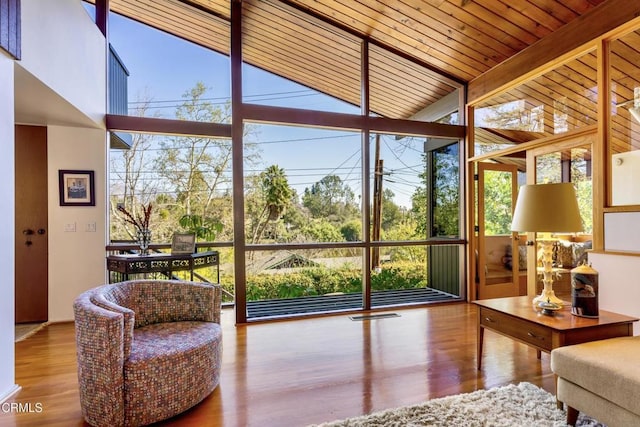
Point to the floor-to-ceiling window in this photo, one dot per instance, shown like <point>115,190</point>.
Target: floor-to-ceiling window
<point>318,217</point>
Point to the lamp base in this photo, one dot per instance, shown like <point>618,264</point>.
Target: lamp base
<point>547,295</point>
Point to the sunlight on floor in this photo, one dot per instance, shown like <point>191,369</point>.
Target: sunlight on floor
<point>25,330</point>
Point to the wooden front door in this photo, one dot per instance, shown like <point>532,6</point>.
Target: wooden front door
<point>31,233</point>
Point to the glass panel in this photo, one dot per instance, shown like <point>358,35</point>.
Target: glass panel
<point>305,187</point>
<point>420,94</point>
<point>281,283</point>
<point>169,77</point>
<point>498,210</point>
<point>624,142</point>
<point>446,214</point>
<point>574,166</point>
<point>160,170</point>
<point>263,88</point>
<point>398,187</point>
<point>417,274</point>
<point>323,60</point>
<point>556,102</point>
<point>415,188</point>
<point>498,202</point>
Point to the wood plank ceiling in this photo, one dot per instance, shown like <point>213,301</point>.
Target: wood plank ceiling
<point>433,45</point>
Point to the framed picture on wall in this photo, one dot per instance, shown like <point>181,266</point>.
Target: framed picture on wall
<point>77,188</point>
<point>183,243</point>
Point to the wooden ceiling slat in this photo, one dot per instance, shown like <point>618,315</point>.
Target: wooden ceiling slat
<point>274,21</point>
<point>578,6</point>
<point>298,60</point>
<point>179,21</point>
<point>413,83</point>
<point>535,13</point>
<point>220,7</point>
<point>287,31</point>
<point>504,21</point>
<point>429,30</point>
<point>299,71</point>
<point>380,58</point>
<point>498,33</point>
<point>315,59</point>
<point>390,37</point>
<point>170,11</point>
<point>565,11</point>
<point>467,34</point>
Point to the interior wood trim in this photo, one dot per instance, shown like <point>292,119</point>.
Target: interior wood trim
<point>595,23</point>
<point>600,178</point>
<point>469,191</point>
<point>621,208</point>
<point>525,146</point>
<point>135,124</point>
<point>617,253</point>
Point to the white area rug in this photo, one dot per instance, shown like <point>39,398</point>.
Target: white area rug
<point>522,405</point>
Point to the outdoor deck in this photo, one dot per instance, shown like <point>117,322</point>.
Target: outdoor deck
<point>325,303</point>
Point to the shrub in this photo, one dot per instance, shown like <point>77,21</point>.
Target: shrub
<point>322,280</point>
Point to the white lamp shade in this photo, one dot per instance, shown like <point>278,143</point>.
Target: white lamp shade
<point>551,208</point>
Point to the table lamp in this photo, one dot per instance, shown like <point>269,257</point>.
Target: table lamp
<point>547,209</point>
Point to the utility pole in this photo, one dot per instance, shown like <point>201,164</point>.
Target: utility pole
<point>377,205</point>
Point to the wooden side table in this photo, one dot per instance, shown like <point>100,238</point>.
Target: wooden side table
<point>515,318</point>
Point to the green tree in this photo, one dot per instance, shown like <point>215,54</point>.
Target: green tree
<point>330,198</point>
<point>391,213</point>
<point>276,194</point>
<point>498,206</point>
<point>197,169</point>
<point>352,231</point>
<point>439,216</point>
<point>321,230</point>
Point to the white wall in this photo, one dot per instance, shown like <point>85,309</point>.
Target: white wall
<point>64,49</point>
<point>622,232</point>
<point>7,234</point>
<point>619,289</point>
<point>618,286</point>
<point>625,173</point>
<point>76,259</point>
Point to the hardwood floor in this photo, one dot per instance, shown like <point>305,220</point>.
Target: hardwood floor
<point>295,373</point>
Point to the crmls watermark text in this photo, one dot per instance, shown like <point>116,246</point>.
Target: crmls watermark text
<point>16,408</point>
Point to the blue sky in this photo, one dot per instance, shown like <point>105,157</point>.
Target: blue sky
<point>164,67</point>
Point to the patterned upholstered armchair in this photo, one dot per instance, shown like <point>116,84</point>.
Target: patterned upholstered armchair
<point>147,349</point>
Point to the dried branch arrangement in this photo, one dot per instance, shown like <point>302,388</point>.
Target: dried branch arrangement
<point>140,222</point>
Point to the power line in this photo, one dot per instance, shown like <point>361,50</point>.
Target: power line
<point>151,101</point>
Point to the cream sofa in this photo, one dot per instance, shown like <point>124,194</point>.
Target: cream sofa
<point>600,379</point>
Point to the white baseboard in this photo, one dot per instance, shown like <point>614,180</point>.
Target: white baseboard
<point>13,390</point>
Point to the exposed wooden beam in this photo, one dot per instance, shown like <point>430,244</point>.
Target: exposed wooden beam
<point>237,162</point>
<point>269,114</point>
<point>166,127</point>
<point>598,21</point>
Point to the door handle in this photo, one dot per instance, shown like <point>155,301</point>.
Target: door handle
<point>27,232</point>
<point>41,231</point>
